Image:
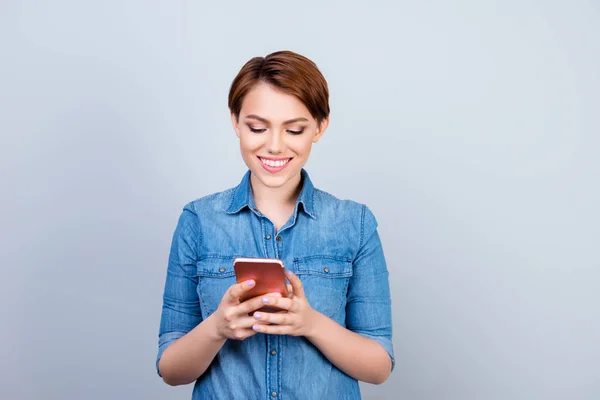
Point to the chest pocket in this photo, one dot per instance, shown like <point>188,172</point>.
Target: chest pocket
<point>215,276</point>
<point>325,281</point>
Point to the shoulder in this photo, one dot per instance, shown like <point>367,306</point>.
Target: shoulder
<point>346,212</point>
<point>199,209</point>
<point>213,202</point>
<point>327,202</point>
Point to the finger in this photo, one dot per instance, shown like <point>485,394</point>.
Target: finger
<point>244,328</point>
<point>245,333</point>
<point>237,290</point>
<point>282,303</point>
<point>274,318</point>
<point>296,283</point>
<point>242,334</point>
<point>254,303</point>
<point>290,290</point>
<point>273,329</point>
<point>246,322</point>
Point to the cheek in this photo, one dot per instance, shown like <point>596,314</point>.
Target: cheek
<point>301,145</point>
<point>250,142</point>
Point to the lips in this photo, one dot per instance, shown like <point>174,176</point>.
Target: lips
<point>274,164</point>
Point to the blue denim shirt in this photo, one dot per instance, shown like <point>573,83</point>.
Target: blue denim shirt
<point>334,248</point>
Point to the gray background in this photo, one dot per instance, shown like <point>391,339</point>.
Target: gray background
<point>470,128</point>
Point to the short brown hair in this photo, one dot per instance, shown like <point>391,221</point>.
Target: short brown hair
<point>292,73</point>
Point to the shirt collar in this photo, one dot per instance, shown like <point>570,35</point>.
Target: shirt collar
<point>242,196</point>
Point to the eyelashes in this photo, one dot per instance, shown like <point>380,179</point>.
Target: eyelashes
<point>261,130</point>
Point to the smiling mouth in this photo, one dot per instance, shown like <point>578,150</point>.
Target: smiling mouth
<point>274,163</point>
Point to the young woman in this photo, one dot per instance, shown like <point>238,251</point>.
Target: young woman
<point>336,326</point>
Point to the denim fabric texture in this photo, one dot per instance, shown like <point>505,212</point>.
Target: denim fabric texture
<point>334,248</point>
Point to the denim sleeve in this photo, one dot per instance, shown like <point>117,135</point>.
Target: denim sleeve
<point>181,306</point>
<point>368,311</point>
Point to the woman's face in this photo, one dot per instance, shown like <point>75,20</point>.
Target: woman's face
<point>276,134</point>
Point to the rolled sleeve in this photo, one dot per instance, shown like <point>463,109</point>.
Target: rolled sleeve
<point>181,306</point>
<point>369,311</point>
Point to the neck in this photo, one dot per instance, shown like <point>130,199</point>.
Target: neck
<point>284,196</point>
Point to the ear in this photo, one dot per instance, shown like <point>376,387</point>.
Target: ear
<point>236,124</point>
<point>321,130</point>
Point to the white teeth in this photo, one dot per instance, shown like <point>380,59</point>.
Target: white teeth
<point>275,164</point>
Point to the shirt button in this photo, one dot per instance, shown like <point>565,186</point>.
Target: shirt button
<point>222,269</point>
<point>273,352</point>
<point>278,238</point>
<point>268,237</point>
<point>326,270</point>
<point>273,394</point>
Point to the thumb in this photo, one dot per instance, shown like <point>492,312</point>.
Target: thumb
<point>297,287</point>
<point>236,291</point>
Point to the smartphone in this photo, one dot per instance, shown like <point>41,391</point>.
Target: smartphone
<point>267,273</point>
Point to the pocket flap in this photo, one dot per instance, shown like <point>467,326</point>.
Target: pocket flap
<point>324,266</point>
<point>216,267</point>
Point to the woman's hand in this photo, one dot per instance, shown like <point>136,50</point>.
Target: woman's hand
<point>233,318</point>
<point>298,317</point>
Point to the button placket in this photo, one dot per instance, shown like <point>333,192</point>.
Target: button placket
<point>268,236</point>
<point>273,365</point>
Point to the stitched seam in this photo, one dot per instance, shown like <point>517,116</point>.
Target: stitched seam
<point>262,239</point>
<point>312,203</point>
<point>202,301</point>
<point>216,256</point>
<point>218,275</point>
<point>341,295</point>
<point>279,365</point>
<point>370,300</point>
<point>268,374</point>
<point>199,245</point>
<point>234,192</point>
<point>327,194</point>
<point>325,257</point>
<point>345,273</point>
<point>362,226</point>
<point>182,312</point>
<point>324,275</point>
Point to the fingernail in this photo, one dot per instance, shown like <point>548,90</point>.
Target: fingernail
<point>255,327</point>
<point>250,283</point>
<point>257,315</point>
<point>277,294</point>
<point>265,300</point>
<point>288,272</point>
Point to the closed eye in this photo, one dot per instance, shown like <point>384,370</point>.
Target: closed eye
<point>257,130</point>
<point>295,132</point>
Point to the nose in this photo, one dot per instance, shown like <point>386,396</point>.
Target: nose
<point>275,144</point>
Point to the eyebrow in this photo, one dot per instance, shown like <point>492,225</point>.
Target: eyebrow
<point>289,121</point>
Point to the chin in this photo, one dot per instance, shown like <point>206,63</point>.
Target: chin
<point>272,181</point>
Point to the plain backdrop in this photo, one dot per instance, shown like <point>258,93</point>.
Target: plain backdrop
<point>470,128</point>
